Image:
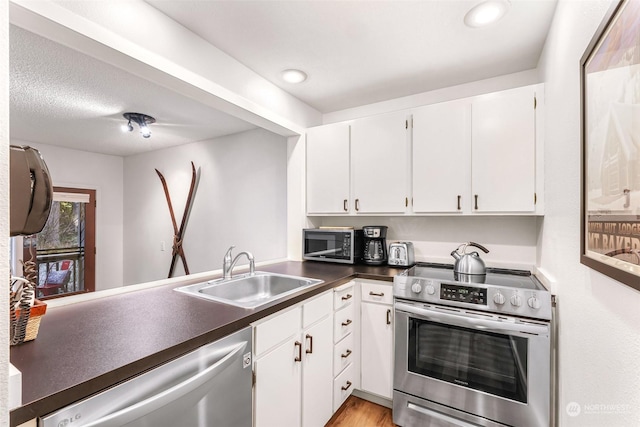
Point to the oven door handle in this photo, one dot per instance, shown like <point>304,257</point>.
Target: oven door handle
<point>472,322</point>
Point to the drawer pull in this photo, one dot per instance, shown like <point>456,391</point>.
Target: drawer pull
<point>345,388</point>
<point>347,354</point>
<point>310,349</point>
<point>373,294</point>
<point>347,323</point>
<point>346,297</point>
<point>299,357</point>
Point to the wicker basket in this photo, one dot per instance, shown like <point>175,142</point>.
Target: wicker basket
<point>35,316</point>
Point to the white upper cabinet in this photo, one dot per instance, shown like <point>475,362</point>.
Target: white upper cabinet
<point>503,155</point>
<point>380,164</point>
<point>480,155</point>
<point>328,169</point>
<point>442,158</point>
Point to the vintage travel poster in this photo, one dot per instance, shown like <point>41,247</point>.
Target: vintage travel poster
<point>612,144</point>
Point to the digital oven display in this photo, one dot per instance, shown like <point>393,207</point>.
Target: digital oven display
<point>468,294</point>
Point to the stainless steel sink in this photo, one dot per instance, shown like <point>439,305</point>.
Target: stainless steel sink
<point>249,291</point>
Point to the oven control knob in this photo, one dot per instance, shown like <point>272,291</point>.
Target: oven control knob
<point>534,303</point>
<point>516,301</point>
<point>430,289</point>
<point>498,298</point>
<point>416,287</point>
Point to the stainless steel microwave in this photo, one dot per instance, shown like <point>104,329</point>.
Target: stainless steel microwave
<point>332,245</point>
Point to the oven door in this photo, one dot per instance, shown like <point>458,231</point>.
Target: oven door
<point>491,366</point>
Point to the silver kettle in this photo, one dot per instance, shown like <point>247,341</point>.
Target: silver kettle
<point>469,263</point>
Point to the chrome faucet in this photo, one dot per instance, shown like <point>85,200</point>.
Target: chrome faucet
<point>228,264</point>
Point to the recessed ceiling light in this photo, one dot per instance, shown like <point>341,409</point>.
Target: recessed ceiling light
<point>294,76</point>
<point>486,13</point>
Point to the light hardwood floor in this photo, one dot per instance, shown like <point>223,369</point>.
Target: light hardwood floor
<point>356,412</point>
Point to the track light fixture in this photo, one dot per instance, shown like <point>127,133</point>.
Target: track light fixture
<point>142,120</point>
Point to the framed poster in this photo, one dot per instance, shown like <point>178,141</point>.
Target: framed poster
<point>610,200</point>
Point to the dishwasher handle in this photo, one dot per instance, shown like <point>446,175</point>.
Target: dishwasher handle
<point>159,400</point>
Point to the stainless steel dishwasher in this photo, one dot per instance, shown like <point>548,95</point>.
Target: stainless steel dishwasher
<point>208,387</point>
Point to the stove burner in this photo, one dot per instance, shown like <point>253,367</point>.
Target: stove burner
<point>514,292</point>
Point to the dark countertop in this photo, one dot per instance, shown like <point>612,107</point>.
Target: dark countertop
<point>86,347</point>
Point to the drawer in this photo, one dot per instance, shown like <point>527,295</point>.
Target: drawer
<point>343,354</point>
<point>316,309</point>
<point>343,386</point>
<point>377,292</point>
<point>343,322</point>
<point>277,329</point>
<point>343,295</point>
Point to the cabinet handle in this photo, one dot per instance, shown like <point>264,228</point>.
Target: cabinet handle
<point>347,354</point>
<point>373,294</point>
<point>345,388</point>
<point>299,357</point>
<point>310,349</point>
<point>476,197</point>
<point>357,204</point>
<point>347,323</point>
<point>345,205</point>
<point>459,198</point>
<point>389,317</point>
<point>346,297</point>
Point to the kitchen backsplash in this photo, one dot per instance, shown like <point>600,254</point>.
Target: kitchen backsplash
<point>511,240</point>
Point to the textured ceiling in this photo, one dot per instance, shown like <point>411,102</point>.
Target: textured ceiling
<point>61,97</point>
<point>361,52</point>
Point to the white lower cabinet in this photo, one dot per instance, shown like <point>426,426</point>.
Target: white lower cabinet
<point>317,369</point>
<point>377,338</point>
<point>345,352</point>
<point>278,387</point>
<point>309,358</point>
<point>343,386</point>
<point>294,372</point>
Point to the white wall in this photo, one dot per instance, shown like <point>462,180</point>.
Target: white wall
<point>508,81</point>
<point>4,210</point>
<point>241,200</point>
<point>511,240</point>
<point>103,173</point>
<point>599,318</point>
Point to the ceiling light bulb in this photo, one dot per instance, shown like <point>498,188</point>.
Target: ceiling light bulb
<point>144,130</point>
<point>294,76</point>
<point>128,127</point>
<point>486,13</point>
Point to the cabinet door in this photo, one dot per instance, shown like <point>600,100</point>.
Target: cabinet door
<point>503,152</point>
<point>277,391</point>
<point>328,169</point>
<point>442,157</point>
<point>317,374</point>
<point>380,165</point>
<point>377,349</point>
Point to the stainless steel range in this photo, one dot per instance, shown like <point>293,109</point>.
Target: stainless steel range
<point>471,350</point>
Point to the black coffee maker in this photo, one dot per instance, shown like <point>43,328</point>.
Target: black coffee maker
<point>375,244</point>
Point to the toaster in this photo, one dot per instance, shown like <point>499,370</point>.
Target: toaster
<point>401,254</point>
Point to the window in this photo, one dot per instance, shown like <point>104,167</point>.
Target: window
<point>64,251</point>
